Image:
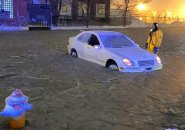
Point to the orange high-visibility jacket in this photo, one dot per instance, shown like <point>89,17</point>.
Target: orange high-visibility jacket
<point>154,40</point>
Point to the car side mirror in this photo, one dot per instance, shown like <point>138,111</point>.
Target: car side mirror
<point>97,47</point>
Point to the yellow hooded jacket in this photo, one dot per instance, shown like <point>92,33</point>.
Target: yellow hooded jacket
<point>154,40</point>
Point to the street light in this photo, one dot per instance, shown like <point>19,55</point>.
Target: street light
<point>154,13</point>
<point>141,7</point>
<point>169,13</point>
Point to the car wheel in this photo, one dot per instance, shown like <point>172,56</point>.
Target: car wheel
<point>74,53</point>
<point>113,66</point>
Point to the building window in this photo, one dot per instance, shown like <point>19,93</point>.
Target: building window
<point>6,8</point>
<point>82,9</point>
<point>66,9</point>
<point>100,10</point>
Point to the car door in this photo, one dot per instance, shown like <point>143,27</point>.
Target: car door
<point>92,53</point>
<point>82,41</point>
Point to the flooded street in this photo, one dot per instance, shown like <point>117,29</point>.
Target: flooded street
<point>74,94</point>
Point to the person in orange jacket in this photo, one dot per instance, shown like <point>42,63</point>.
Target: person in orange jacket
<point>154,39</point>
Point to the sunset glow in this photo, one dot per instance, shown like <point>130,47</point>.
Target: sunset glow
<point>141,7</point>
<point>181,10</point>
<point>172,8</point>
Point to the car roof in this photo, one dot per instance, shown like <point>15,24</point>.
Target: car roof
<point>103,32</point>
<point>106,34</point>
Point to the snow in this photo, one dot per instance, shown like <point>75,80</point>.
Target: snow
<point>135,24</point>
<point>11,28</point>
<point>7,28</point>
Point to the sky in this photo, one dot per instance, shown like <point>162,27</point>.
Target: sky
<point>177,6</point>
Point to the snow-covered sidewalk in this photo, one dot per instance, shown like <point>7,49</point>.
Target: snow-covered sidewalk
<point>134,25</point>
<point>11,28</point>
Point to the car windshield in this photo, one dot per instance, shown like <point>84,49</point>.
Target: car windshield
<point>118,42</point>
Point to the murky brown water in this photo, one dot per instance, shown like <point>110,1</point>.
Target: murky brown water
<point>73,94</point>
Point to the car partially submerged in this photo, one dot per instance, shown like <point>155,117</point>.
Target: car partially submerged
<point>113,50</point>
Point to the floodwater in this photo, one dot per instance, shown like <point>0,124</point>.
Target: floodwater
<point>73,94</point>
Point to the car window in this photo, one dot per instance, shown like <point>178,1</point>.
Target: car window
<point>84,37</point>
<point>118,42</point>
<point>94,40</point>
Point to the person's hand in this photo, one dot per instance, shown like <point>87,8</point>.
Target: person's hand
<point>156,49</point>
<point>146,45</point>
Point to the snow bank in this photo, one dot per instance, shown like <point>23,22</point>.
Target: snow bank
<point>84,27</point>
<point>97,27</point>
<point>10,28</point>
<point>138,24</point>
<point>135,24</point>
<point>6,28</point>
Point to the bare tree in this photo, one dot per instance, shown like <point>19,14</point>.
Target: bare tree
<point>88,12</point>
<point>56,6</point>
<point>125,5</point>
<point>85,10</point>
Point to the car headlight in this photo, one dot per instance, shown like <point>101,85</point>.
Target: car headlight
<point>127,62</point>
<point>158,60</point>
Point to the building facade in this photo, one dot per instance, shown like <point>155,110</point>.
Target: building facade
<point>13,12</point>
<point>76,11</point>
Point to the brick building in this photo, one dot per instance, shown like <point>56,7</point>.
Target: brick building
<point>76,10</point>
<point>98,9</point>
<point>13,12</point>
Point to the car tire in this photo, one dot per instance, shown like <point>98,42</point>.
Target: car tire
<point>113,66</point>
<point>74,53</point>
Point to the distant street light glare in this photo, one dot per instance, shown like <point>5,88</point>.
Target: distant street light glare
<point>140,19</point>
<point>141,7</point>
<point>181,12</point>
<point>169,13</point>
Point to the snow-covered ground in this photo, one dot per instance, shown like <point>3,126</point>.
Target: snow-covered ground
<point>11,28</point>
<point>135,24</point>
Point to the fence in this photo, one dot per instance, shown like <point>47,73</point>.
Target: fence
<point>165,20</point>
<point>39,16</point>
<point>68,21</point>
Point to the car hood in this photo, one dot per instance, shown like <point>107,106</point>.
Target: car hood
<point>133,53</point>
